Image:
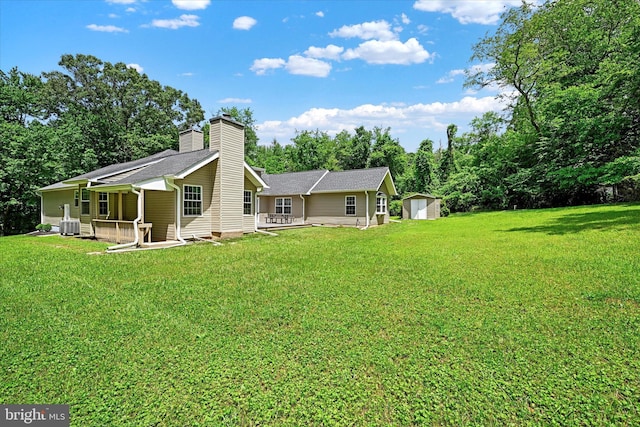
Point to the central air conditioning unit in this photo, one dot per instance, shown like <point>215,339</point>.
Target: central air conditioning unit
<point>69,226</point>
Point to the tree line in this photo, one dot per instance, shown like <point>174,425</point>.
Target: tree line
<point>570,70</point>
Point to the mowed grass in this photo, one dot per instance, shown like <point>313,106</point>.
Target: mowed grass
<point>506,318</point>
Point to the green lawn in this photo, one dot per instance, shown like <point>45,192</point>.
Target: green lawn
<point>525,317</point>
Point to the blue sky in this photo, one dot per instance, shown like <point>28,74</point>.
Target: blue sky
<point>299,65</point>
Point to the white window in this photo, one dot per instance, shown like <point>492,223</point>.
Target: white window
<point>381,203</point>
<point>85,198</point>
<point>192,200</point>
<point>350,205</point>
<point>283,205</point>
<point>103,204</point>
<point>75,198</point>
<point>248,202</point>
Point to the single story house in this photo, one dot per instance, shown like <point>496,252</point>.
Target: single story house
<point>351,198</point>
<point>171,195</point>
<point>420,206</point>
<point>199,192</point>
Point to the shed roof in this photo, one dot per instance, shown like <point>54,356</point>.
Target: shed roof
<point>420,196</point>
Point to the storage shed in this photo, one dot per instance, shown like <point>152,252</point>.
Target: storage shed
<point>420,206</point>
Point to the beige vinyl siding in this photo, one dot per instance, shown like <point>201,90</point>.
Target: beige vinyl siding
<point>214,211</point>
<point>228,139</point>
<point>249,221</point>
<point>51,202</point>
<point>198,225</point>
<point>160,211</point>
<point>329,208</point>
<point>129,206</point>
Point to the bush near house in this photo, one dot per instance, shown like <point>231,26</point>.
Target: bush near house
<point>503,318</point>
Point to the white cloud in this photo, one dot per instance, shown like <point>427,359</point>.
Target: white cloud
<point>416,118</point>
<point>405,19</point>
<point>307,66</point>
<point>468,11</point>
<point>389,52</point>
<point>244,23</point>
<point>191,4</point>
<point>261,66</point>
<point>330,52</point>
<point>478,68</point>
<point>451,76</point>
<point>174,24</point>
<point>380,30</point>
<point>235,101</point>
<point>320,14</point>
<point>423,29</point>
<point>107,28</point>
<point>121,1</point>
<point>187,74</point>
<point>130,9</point>
<point>113,16</point>
<point>296,64</point>
<point>136,67</point>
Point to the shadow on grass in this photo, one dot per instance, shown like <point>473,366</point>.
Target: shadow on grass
<point>576,223</point>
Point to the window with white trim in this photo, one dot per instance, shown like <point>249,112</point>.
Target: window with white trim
<point>350,205</point>
<point>283,205</point>
<point>85,197</point>
<point>381,203</point>
<point>248,202</point>
<point>192,200</point>
<point>76,197</point>
<point>103,204</point>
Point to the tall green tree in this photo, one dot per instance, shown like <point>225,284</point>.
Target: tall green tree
<point>447,159</point>
<point>120,113</point>
<point>387,151</point>
<point>574,65</point>
<point>354,150</point>
<point>425,174</point>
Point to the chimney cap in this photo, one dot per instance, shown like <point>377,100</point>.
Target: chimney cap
<point>189,130</point>
<point>226,117</point>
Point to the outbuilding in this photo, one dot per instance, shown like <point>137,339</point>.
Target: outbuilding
<point>420,206</point>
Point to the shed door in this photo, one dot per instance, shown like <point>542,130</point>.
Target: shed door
<point>419,209</point>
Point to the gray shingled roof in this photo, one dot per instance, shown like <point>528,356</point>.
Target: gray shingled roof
<point>170,165</point>
<point>119,167</point>
<point>291,183</point>
<point>168,162</point>
<point>359,179</point>
<point>322,181</point>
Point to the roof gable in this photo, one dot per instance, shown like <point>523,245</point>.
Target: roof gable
<point>324,181</point>
<point>354,180</point>
<point>291,183</point>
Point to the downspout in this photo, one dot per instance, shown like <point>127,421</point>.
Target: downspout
<point>178,212</point>
<point>256,213</point>
<point>268,233</point>
<point>366,193</point>
<point>136,232</point>
<point>303,217</point>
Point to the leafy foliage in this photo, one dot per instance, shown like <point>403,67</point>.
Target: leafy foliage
<point>64,123</point>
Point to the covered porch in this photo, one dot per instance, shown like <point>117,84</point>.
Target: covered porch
<point>118,215</point>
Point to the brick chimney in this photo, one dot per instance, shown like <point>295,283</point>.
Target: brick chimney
<point>191,140</point>
<point>227,138</point>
